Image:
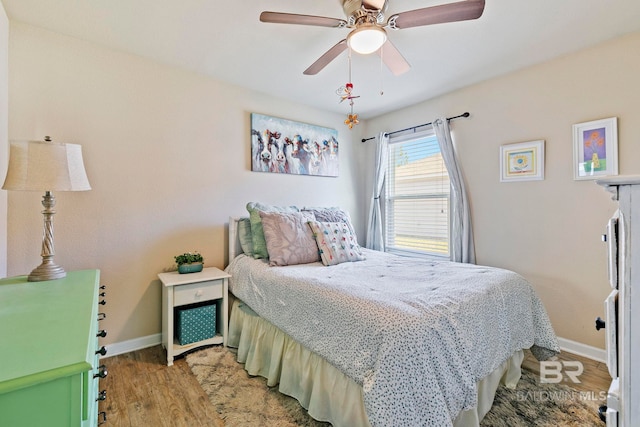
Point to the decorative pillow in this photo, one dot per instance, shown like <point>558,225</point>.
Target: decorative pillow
<point>257,235</point>
<point>244,234</point>
<point>333,214</point>
<point>289,239</point>
<point>336,242</point>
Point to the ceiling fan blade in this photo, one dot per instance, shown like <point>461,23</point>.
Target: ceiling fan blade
<point>325,59</point>
<point>393,59</point>
<point>451,12</point>
<point>292,18</point>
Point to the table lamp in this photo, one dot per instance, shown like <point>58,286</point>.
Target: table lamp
<point>46,166</point>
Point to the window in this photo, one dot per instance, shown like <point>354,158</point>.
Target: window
<point>417,197</point>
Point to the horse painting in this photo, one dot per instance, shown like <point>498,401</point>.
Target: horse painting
<point>285,146</point>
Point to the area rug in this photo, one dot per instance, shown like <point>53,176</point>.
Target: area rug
<point>243,400</point>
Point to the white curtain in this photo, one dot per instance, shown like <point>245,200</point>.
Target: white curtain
<point>375,238</point>
<point>461,241</point>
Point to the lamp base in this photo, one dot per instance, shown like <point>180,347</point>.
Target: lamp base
<point>46,271</point>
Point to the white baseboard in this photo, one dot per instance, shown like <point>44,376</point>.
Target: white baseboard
<point>133,345</point>
<point>580,349</point>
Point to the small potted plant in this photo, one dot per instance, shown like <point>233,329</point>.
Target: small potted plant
<point>189,262</point>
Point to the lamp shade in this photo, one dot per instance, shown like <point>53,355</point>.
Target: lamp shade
<point>45,166</point>
<point>367,39</point>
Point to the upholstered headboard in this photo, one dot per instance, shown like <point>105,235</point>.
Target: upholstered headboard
<point>234,238</point>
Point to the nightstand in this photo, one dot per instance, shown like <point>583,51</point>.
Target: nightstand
<point>182,290</point>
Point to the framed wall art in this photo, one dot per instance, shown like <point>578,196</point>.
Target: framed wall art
<point>595,149</point>
<point>284,146</point>
<point>522,161</point>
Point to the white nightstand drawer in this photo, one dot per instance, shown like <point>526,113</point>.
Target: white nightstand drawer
<point>196,292</point>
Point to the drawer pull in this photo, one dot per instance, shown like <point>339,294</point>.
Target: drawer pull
<point>602,412</point>
<point>101,333</point>
<point>102,294</point>
<point>102,372</point>
<point>599,323</point>
<point>102,351</point>
<point>102,396</point>
<point>102,316</point>
<point>104,417</point>
<point>103,287</point>
<point>102,302</point>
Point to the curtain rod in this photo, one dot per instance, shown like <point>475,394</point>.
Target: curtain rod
<point>419,126</point>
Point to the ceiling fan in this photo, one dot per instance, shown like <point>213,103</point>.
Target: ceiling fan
<point>368,35</point>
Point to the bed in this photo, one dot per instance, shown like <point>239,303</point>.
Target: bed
<point>386,340</point>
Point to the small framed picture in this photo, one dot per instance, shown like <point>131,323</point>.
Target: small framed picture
<point>523,161</point>
<point>595,149</point>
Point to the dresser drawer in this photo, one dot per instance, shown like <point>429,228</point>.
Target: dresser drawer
<point>196,292</point>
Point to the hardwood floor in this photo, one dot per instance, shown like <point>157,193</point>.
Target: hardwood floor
<point>143,391</point>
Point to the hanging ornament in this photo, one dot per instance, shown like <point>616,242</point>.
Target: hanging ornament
<point>346,93</point>
<point>352,120</point>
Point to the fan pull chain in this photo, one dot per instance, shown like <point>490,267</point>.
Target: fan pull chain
<point>381,66</point>
<point>349,59</point>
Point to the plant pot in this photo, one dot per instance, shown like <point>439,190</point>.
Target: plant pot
<point>190,268</point>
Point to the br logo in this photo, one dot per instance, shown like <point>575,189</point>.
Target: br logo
<point>555,371</point>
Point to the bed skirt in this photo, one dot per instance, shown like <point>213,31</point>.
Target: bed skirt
<point>324,391</point>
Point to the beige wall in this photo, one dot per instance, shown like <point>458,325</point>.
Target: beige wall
<point>548,231</point>
<point>4,118</point>
<point>167,153</point>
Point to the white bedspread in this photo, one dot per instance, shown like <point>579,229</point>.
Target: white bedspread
<point>417,335</point>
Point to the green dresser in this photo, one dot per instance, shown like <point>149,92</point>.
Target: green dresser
<point>49,358</point>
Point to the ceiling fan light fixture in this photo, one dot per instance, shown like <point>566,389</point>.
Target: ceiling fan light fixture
<point>367,39</point>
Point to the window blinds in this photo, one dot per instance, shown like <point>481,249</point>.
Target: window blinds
<point>417,196</point>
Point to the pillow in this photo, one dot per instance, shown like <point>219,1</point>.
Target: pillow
<point>244,234</point>
<point>336,242</point>
<point>289,239</point>
<point>333,214</point>
<point>257,235</point>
